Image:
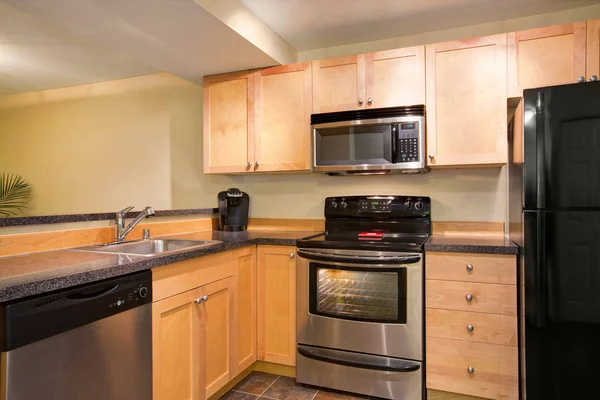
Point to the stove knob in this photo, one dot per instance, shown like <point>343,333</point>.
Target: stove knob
<point>419,205</point>
<point>333,205</point>
<point>343,205</point>
<point>408,205</point>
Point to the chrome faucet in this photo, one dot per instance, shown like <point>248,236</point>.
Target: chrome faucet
<point>147,212</point>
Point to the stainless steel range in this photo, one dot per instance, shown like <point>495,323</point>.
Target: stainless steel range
<point>360,297</point>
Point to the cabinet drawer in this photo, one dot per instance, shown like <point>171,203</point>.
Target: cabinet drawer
<point>485,297</point>
<point>485,268</point>
<point>486,328</point>
<point>494,373</point>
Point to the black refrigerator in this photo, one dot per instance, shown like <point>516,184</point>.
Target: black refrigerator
<point>554,217</point>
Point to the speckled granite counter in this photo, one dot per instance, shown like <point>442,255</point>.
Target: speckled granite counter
<point>36,273</point>
<point>471,244</point>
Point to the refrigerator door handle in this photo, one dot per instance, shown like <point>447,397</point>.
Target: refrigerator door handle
<point>540,133</point>
<point>541,292</point>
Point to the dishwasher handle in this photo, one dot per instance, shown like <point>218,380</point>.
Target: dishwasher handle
<point>95,294</point>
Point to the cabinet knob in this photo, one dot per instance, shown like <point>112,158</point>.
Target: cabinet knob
<point>469,297</point>
<point>292,255</point>
<point>431,156</point>
<point>470,370</point>
<point>369,100</point>
<point>360,101</point>
<point>257,163</point>
<point>470,328</point>
<point>593,78</point>
<point>249,164</point>
<point>201,299</point>
<point>469,267</point>
<point>581,79</point>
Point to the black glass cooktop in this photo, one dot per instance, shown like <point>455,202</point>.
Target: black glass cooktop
<point>365,241</point>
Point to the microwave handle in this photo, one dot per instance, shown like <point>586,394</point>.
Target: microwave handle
<point>394,144</point>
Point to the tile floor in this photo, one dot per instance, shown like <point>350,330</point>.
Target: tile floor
<point>260,385</point>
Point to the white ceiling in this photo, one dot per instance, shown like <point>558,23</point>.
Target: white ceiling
<point>313,24</point>
<point>57,43</point>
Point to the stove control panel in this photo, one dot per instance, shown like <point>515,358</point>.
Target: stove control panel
<point>377,206</point>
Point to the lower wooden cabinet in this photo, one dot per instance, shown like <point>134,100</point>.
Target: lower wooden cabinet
<point>244,312</point>
<point>277,304</point>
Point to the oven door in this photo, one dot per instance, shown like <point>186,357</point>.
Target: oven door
<point>362,301</point>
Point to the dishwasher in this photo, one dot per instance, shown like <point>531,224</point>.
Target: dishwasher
<point>91,342</point>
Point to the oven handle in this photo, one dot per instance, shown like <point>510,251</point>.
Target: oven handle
<point>358,360</point>
<point>319,256</point>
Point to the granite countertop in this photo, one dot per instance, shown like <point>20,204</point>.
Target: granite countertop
<point>37,273</point>
<point>471,244</point>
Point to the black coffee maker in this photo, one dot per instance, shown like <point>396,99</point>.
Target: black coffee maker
<point>233,210</point>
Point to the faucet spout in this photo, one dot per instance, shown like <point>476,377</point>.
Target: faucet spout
<point>147,212</point>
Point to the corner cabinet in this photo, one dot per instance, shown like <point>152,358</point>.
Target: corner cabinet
<point>373,80</point>
<point>593,49</point>
<point>277,304</point>
<point>228,123</point>
<point>466,102</point>
<point>553,55</point>
<point>244,282</point>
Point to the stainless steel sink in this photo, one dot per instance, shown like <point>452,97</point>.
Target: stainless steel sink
<point>147,248</point>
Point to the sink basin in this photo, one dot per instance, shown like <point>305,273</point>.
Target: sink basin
<point>147,248</point>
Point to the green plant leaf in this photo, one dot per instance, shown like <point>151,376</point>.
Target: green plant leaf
<point>15,194</point>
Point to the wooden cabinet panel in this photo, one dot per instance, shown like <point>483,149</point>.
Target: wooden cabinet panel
<point>553,55</point>
<point>277,304</point>
<point>396,77</point>
<point>244,282</point>
<point>593,49</point>
<point>169,280</point>
<point>486,328</point>
<point>228,122</point>
<point>176,358</point>
<point>217,329</point>
<point>486,297</point>
<point>466,102</point>
<point>494,374</point>
<point>339,84</point>
<point>485,268</point>
<point>283,108</point>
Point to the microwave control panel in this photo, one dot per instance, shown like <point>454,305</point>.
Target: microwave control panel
<point>408,142</point>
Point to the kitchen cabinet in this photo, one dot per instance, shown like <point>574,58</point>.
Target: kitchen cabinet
<point>228,122</point>
<point>548,56</point>
<point>216,318</point>
<point>593,49</point>
<point>373,80</point>
<point>277,304</point>
<point>282,118</point>
<point>244,283</point>
<point>471,324</point>
<point>466,102</point>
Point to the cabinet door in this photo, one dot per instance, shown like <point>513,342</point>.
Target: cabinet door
<point>395,77</point>
<point>466,102</point>
<point>549,56</point>
<point>217,329</point>
<point>593,48</point>
<point>277,304</point>
<point>339,84</point>
<point>228,122</point>
<point>244,283</point>
<point>176,329</point>
<point>283,108</point>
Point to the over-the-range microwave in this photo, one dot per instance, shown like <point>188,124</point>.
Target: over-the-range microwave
<point>376,141</point>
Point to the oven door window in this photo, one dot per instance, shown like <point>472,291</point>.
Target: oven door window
<point>358,294</point>
<point>354,145</point>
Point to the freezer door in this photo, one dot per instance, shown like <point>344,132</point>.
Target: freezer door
<point>562,147</point>
<point>560,297</point>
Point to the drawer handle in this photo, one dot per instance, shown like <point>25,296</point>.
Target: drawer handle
<point>469,267</point>
<point>470,328</point>
<point>201,299</point>
<point>469,297</point>
<point>470,370</point>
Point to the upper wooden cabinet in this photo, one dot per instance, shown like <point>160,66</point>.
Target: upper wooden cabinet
<point>554,55</point>
<point>466,102</point>
<point>593,49</point>
<point>229,122</point>
<point>373,80</point>
<point>283,107</point>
